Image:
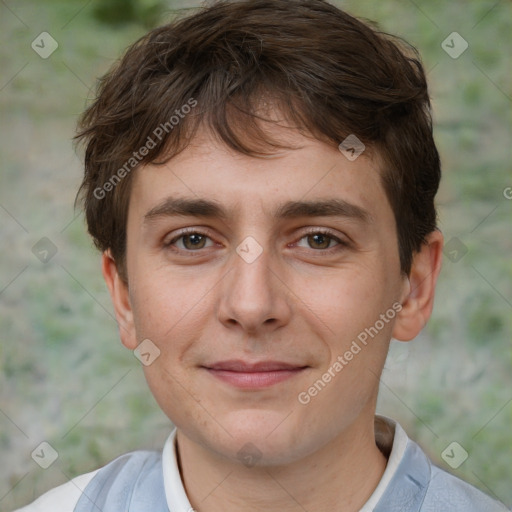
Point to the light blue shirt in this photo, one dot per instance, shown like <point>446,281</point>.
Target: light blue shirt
<point>146,481</point>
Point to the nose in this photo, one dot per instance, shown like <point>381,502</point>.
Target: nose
<point>254,295</point>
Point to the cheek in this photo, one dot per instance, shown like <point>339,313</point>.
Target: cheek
<point>350,306</point>
<point>349,300</point>
<point>164,305</point>
<point>168,312</point>
<point>173,393</point>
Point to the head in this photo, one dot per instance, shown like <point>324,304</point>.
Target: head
<point>228,124</point>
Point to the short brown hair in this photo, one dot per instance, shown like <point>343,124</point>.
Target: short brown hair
<point>328,73</point>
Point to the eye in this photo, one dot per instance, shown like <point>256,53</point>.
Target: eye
<point>194,241</point>
<point>322,240</point>
<point>190,241</point>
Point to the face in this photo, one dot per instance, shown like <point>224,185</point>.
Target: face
<point>254,277</point>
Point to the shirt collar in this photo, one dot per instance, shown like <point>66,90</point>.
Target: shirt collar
<point>389,436</point>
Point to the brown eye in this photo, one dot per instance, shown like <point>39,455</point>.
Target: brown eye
<point>319,241</point>
<point>194,241</point>
<point>191,241</point>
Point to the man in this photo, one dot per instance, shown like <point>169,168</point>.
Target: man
<point>260,178</point>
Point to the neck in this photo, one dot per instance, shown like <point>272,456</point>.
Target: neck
<point>340,476</point>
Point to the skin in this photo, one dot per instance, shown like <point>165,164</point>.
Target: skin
<point>303,300</point>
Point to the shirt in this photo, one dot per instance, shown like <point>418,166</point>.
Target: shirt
<point>410,483</point>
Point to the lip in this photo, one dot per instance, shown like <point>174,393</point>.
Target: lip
<point>237,365</point>
<point>256,375</point>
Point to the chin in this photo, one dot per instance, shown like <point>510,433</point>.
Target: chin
<point>263,438</point>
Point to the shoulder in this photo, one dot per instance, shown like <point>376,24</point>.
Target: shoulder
<point>127,467</point>
<point>132,482</point>
<point>62,498</point>
<point>446,492</point>
<point>415,484</point>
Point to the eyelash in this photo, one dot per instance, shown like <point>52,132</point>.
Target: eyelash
<point>312,231</point>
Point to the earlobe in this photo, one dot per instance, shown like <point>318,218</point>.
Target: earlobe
<point>121,300</point>
<point>417,305</point>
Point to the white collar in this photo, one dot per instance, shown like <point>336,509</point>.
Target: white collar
<point>390,436</point>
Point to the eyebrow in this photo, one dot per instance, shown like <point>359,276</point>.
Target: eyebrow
<point>292,209</point>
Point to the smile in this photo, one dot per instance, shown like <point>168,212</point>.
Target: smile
<point>253,376</point>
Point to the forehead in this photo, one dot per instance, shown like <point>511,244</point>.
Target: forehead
<point>210,179</point>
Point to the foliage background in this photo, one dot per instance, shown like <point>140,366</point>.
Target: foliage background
<point>66,379</point>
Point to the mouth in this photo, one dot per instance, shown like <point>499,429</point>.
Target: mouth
<point>247,375</point>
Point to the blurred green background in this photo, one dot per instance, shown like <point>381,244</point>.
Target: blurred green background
<point>65,377</point>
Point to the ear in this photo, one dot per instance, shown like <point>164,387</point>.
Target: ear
<point>121,299</point>
<point>418,304</point>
